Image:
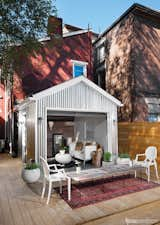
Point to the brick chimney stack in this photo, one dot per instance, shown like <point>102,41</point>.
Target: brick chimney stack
<point>54,27</point>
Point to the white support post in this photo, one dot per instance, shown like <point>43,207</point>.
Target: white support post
<point>45,133</point>
<point>109,133</point>
<point>115,133</point>
<point>36,133</point>
<point>112,133</point>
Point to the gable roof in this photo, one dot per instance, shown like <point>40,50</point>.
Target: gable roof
<point>73,82</point>
<point>135,7</point>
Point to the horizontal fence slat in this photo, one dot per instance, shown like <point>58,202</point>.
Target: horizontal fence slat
<point>135,137</point>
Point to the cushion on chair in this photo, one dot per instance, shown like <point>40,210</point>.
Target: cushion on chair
<point>97,156</point>
<point>79,146</point>
<point>88,143</point>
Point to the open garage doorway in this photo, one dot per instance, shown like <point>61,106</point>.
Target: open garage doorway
<point>62,128</point>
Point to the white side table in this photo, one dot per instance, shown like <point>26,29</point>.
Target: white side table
<point>63,158</point>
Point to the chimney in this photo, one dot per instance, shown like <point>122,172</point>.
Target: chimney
<point>54,27</point>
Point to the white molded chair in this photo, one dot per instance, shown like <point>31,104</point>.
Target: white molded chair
<point>58,176</point>
<point>72,145</point>
<point>150,160</point>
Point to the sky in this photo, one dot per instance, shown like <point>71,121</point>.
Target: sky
<point>99,14</point>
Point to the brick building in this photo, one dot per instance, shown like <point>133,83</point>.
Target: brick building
<point>70,55</point>
<point>127,63</point>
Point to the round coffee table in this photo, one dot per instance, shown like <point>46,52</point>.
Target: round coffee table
<point>63,158</point>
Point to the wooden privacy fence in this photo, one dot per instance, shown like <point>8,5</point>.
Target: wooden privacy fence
<point>135,137</point>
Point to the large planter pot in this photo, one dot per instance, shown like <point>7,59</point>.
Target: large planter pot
<point>123,161</point>
<point>31,176</point>
<point>110,163</point>
<point>62,151</point>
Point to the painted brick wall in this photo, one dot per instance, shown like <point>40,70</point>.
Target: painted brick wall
<point>132,64</point>
<point>119,65</point>
<point>54,66</point>
<point>51,66</point>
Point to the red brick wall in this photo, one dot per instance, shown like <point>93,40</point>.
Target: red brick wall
<point>146,63</point>
<point>133,64</point>
<point>54,66</point>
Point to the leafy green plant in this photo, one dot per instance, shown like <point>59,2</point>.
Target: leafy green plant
<point>22,25</point>
<point>62,146</point>
<point>66,148</point>
<point>31,166</point>
<point>124,155</point>
<point>107,156</point>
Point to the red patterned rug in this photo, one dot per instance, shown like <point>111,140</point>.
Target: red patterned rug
<point>95,191</point>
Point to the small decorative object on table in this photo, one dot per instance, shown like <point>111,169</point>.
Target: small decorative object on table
<point>62,151</point>
<point>78,166</point>
<point>124,158</point>
<point>63,157</point>
<point>31,172</point>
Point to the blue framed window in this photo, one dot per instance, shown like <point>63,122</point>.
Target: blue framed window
<point>79,68</point>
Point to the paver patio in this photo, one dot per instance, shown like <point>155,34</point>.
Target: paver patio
<point>20,203</point>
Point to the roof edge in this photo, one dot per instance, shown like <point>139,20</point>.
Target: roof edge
<point>72,82</point>
<point>69,34</point>
<point>135,6</point>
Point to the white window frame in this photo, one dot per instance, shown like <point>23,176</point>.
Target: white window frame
<point>153,101</point>
<point>100,53</point>
<point>79,63</point>
<point>156,114</point>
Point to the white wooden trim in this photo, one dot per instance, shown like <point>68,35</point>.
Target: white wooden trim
<point>65,35</point>
<point>54,112</point>
<point>75,33</point>
<point>100,42</point>
<point>45,124</point>
<point>76,110</point>
<point>109,133</point>
<point>79,62</point>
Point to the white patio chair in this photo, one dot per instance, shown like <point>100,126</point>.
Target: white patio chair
<point>150,160</point>
<point>72,145</point>
<point>58,175</point>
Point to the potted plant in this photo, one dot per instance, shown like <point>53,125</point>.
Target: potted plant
<point>62,149</point>
<point>124,158</point>
<point>107,159</point>
<point>31,172</point>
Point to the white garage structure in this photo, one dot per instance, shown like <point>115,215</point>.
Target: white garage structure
<point>94,112</point>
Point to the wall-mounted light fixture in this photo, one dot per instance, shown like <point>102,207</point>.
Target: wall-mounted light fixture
<point>40,118</point>
<point>50,125</point>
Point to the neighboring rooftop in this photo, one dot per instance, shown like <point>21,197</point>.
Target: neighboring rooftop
<point>70,28</point>
<point>134,8</point>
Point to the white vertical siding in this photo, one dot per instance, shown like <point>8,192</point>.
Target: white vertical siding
<point>79,97</point>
